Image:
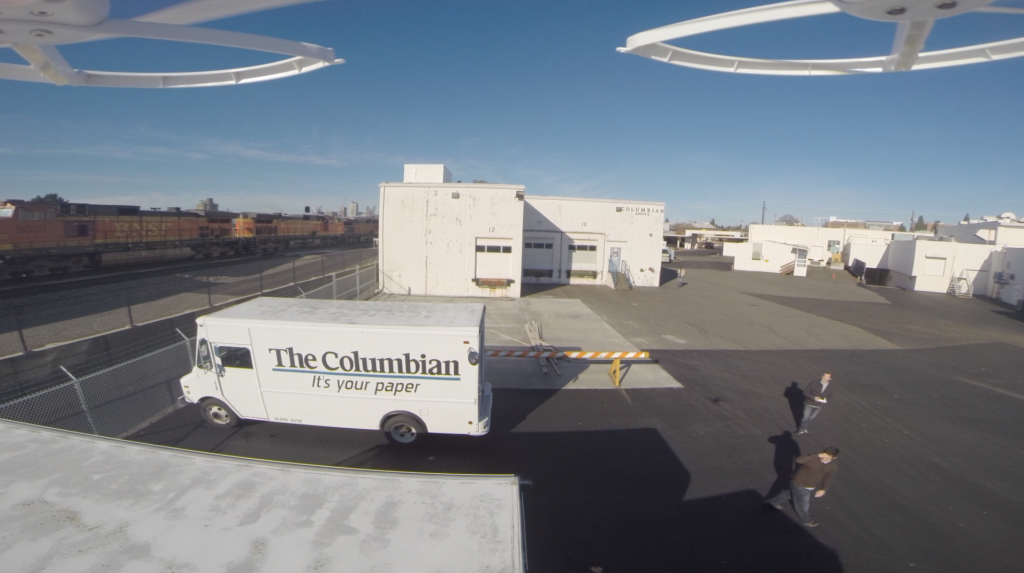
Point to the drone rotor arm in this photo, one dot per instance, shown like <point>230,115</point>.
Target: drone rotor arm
<point>906,53</point>
<point>910,39</point>
<point>152,31</point>
<point>198,11</point>
<point>263,72</point>
<point>746,17</point>
<point>22,73</point>
<point>49,63</point>
<point>1000,10</point>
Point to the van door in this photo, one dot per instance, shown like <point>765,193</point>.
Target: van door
<point>238,382</point>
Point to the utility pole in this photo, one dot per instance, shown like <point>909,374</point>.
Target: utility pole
<point>910,227</point>
<point>764,207</point>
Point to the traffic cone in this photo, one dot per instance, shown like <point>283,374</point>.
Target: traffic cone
<point>833,275</point>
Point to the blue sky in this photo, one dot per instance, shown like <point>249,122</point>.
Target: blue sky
<point>534,93</point>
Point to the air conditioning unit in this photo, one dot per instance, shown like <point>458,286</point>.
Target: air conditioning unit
<point>1002,278</point>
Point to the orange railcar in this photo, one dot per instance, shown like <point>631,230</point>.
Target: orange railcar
<point>43,238</point>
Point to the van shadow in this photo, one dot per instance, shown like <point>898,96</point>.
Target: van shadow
<point>526,373</point>
<point>615,500</point>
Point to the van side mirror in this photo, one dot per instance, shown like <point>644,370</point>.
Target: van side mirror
<point>204,362</point>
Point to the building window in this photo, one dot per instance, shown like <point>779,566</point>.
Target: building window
<point>494,249</point>
<point>935,266</point>
<point>833,246</point>
<point>757,255</point>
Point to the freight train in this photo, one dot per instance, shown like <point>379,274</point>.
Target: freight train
<point>47,238</point>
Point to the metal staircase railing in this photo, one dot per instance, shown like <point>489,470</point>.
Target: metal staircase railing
<point>624,269</point>
<point>961,286</point>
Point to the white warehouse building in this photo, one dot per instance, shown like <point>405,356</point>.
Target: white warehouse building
<point>439,238</point>
<point>981,257</point>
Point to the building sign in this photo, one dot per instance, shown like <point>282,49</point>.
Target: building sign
<point>638,210</point>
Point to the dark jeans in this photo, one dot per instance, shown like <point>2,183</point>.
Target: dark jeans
<point>809,413</point>
<point>801,498</point>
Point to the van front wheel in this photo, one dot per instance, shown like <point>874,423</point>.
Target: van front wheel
<point>404,430</point>
<point>218,414</point>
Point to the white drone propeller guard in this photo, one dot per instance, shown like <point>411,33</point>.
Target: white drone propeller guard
<point>914,19</point>
<point>33,29</point>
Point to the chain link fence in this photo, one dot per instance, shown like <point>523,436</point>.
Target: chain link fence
<point>118,400</point>
<point>46,320</point>
<point>112,402</point>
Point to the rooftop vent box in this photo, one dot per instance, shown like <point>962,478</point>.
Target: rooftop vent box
<point>426,173</point>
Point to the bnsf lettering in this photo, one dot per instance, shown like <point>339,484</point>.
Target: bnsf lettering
<point>332,361</point>
<point>29,229</point>
<point>141,229</point>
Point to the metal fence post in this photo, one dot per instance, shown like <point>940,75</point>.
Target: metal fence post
<point>81,398</point>
<point>295,278</point>
<point>334,286</point>
<point>188,346</point>
<point>323,266</point>
<point>358,289</point>
<point>128,303</point>
<point>261,281</point>
<point>209,295</point>
<point>21,335</point>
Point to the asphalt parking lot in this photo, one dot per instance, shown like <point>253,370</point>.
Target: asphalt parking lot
<point>926,413</point>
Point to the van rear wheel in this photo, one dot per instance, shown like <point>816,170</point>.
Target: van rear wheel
<point>404,430</point>
<point>218,414</point>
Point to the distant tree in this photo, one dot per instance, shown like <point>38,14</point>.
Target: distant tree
<point>920,225</point>
<point>48,198</point>
<point>902,229</point>
<point>788,219</point>
<point>967,218</point>
<point>713,224</point>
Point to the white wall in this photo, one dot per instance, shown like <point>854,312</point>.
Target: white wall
<point>635,227</point>
<point>1002,233</point>
<point>428,238</point>
<point>929,266</point>
<point>773,256</point>
<point>1007,236</point>
<point>1009,261</point>
<point>871,254</point>
<point>816,238</point>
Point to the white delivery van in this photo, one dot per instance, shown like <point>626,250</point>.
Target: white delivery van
<point>404,368</point>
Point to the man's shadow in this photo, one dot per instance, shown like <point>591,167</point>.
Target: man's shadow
<point>786,451</point>
<point>796,398</point>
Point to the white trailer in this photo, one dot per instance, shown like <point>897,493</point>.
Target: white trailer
<point>403,368</point>
<point>74,502</point>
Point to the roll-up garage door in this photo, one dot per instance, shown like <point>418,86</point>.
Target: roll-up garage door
<point>494,259</point>
<point>583,259</point>
<point>539,256</point>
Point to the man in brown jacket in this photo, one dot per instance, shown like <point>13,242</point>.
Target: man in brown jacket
<point>814,469</point>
